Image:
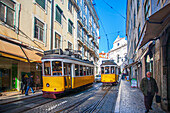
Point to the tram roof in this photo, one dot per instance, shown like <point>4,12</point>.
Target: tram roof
<point>54,56</point>
<point>108,63</point>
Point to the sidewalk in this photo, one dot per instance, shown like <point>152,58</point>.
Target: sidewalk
<point>131,100</point>
<point>8,97</point>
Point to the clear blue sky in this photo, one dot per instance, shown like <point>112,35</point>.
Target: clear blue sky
<point>112,21</point>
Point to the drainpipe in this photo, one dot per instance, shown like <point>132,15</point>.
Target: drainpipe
<point>51,23</point>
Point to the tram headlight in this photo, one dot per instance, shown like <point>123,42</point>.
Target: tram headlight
<point>48,85</point>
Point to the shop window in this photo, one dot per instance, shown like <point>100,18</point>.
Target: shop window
<point>7,12</point>
<point>39,30</point>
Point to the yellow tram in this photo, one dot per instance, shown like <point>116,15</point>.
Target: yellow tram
<point>63,72</point>
<point>109,72</point>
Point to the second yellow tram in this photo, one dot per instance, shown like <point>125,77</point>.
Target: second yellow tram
<point>109,72</point>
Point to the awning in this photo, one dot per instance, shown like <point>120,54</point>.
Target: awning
<point>17,52</point>
<point>33,55</point>
<point>11,51</point>
<point>131,64</point>
<point>156,23</point>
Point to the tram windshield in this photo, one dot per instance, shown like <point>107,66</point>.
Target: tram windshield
<point>106,70</point>
<point>56,68</point>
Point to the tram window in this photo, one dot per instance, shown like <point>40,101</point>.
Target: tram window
<point>81,70</point>
<point>76,70</point>
<point>112,69</point>
<point>84,69</point>
<point>92,71</point>
<point>47,68</point>
<point>65,69</point>
<point>57,68</point>
<point>106,70</point>
<point>88,70</point>
<point>102,70</point>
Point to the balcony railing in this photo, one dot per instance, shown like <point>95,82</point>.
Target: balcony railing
<point>79,18</point>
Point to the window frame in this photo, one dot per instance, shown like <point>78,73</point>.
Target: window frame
<point>59,11</point>
<point>70,6</point>
<point>5,14</point>
<point>44,31</point>
<point>58,43</point>
<point>70,26</point>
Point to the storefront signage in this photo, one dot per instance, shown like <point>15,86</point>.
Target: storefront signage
<point>133,82</point>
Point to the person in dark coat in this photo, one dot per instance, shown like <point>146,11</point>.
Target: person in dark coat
<point>149,87</point>
<point>24,84</point>
<point>30,85</point>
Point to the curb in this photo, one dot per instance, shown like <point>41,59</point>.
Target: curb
<point>117,107</point>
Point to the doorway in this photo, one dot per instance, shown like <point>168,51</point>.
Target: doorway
<point>67,75</point>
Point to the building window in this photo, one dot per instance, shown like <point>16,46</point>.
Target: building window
<point>134,19</point>
<point>85,8</point>
<point>58,14</point>
<point>117,58</point>
<point>70,6</point>
<point>138,5</point>
<point>117,44</point>
<point>39,29</point>
<point>41,3</point>
<point>70,26</point>
<point>7,11</point>
<point>69,45</point>
<point>57,40</point>
<point>139,30</point>
<point>147,9</point>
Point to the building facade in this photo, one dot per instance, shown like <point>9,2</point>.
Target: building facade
<point>147,30</point>
<point>102,56</point>
<point>119,51</point>
<point>30,27</point>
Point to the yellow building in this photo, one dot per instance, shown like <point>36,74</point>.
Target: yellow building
<point>30,27</point>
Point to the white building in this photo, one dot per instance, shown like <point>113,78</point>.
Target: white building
<point>119,51</point>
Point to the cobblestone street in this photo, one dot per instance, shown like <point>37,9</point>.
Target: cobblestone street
<point>132,100</point>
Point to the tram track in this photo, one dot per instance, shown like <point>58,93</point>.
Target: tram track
<point>89,109</point>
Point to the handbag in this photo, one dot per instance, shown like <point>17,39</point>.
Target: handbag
<point>158,99</point>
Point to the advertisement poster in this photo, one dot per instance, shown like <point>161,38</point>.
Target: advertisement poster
<point>133,83</point>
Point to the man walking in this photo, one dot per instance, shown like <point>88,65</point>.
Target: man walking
<point>149,87</point>
<point>30,85</point>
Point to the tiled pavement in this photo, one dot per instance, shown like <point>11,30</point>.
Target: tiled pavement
<point>131,100</point>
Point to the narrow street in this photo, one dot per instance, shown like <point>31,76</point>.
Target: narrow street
<point>96,98</point>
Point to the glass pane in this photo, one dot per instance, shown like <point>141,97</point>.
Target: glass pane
<point>36,32</point>
<point>76,70</point>
<point>81,70</point>
<point>2,12</point>
<point>41,3</point>
<point>57,68</point>
<point>106,70</point>
<point>102,70</point>
<point>47,68</point>
<point>84,69</point>
<point>112,69</point>
<point>10,17</point>
<point>9,3</point>
<point>41,35</point>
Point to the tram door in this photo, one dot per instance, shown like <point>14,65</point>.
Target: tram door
<point>67,75</point>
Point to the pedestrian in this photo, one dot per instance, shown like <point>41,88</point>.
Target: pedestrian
<point>149,87</point>
<point>37,83</point>
<point>24,84</point>
<point>30,85</point>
